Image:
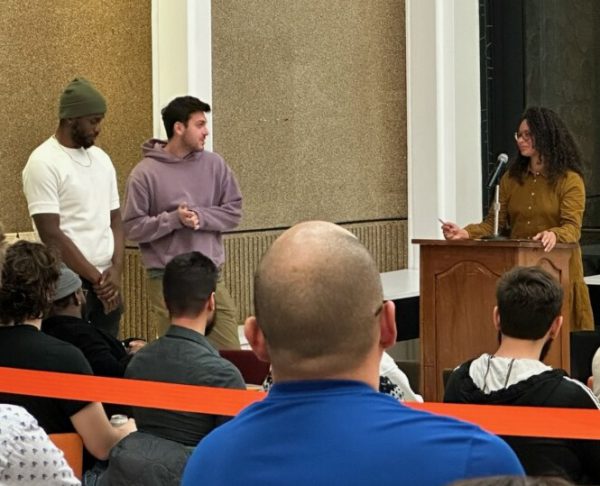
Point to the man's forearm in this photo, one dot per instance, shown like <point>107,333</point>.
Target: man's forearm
<point>51,234</point>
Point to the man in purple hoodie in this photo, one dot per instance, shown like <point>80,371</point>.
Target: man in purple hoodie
<point>180,198</point>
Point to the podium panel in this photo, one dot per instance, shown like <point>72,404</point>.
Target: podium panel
<point>458,295</point>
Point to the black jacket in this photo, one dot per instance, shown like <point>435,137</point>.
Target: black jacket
<point>105,353</point>
<point>575,460</point>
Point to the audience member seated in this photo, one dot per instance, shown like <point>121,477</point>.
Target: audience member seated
<point>158,452</point>
<point>29,276</point>
<point>183,354</point>
<point>105,353</point>
<point>27,455</point>
<point>394,382</point>
<point>323,325</point>
<point>527,318</point>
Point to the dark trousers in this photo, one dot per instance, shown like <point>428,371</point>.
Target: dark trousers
<point>94,311</point>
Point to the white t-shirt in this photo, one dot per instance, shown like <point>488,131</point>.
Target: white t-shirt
<point>80,185</point>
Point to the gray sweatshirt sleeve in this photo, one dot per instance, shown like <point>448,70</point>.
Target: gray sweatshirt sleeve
<point>228,213</point>
<point>138,224</point>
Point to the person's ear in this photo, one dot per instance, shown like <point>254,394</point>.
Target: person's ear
<point>496,319</point>
<point>178,128</point>
<point>256,339</point>
<point>210,303</point>
<point>387,325</point>
<point>555,327</point>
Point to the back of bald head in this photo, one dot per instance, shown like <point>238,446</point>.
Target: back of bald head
<point>317,293</point>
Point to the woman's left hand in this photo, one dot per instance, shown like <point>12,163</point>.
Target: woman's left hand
<point>548,239</point>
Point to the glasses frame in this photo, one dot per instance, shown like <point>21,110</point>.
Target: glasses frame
<point>526,136</point>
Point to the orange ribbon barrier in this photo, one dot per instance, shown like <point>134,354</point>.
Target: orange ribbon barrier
<point>501,420</point>
<point>568,423</point>
<point>169,396</point>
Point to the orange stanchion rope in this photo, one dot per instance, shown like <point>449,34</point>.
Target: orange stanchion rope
<point>501,420</point>
<point>568,423</point>
<point>169,396</point>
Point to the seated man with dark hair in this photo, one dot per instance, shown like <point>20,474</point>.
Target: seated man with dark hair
<point>183,354</point>
<point>156,455</point>
<point>323,325</point>
<point>527,317</point>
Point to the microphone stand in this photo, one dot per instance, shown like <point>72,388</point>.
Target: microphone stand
<point>496,208</point>
<point>496,204</point>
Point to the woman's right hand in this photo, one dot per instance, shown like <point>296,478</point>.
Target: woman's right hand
<point>452,231</point>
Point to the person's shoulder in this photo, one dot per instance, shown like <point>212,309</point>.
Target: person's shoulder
<point>137,363</point>
<point>225,370</point>
<point>574,394</point>
<point>572,179</point>
<point>63,356</point>
<point>213,370</point>
<point>144,170</point>
<point>214,159</point>
<point>441,426</point>
<point>44,155</point>
<point>43,149</point>
<point>483,453</point>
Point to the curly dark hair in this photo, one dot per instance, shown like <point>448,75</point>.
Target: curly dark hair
<point>29,275</point>
<point>555,144</point>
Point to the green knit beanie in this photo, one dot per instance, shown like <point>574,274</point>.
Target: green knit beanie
<point>80,98</point>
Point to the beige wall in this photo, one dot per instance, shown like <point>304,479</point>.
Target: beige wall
<point>309,102</point>
<point>43,45</point>
<point>309,109</point>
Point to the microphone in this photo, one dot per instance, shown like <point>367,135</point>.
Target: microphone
<point>502,160</point>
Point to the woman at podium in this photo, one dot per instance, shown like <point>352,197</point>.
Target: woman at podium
<point>542,197</point>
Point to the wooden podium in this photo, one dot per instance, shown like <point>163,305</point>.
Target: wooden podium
<point>458,294</point>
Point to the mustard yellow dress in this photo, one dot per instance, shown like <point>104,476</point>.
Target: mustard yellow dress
<point>536,206</point>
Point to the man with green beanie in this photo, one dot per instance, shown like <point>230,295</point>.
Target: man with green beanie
<point>72,195</point>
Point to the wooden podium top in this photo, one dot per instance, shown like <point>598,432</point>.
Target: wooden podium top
<point>496,243</point>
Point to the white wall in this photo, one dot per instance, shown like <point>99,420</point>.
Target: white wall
<point>443,110</point>
<point>181,55</point>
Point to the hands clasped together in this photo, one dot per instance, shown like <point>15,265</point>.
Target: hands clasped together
<point>188,217</point>
<point>108,289</point>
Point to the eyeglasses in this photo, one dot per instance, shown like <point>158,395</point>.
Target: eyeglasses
<point>526,136</point>
<point>84,291</point>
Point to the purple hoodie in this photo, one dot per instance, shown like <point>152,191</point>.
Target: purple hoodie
<point>156,187</point>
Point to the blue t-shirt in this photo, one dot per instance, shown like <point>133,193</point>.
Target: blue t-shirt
<point>344,432</point>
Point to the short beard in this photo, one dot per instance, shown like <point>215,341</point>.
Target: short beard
<point>209,326</point>
<point>79,138</point>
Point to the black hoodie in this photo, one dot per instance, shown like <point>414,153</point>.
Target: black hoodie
<point>575,460</point>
